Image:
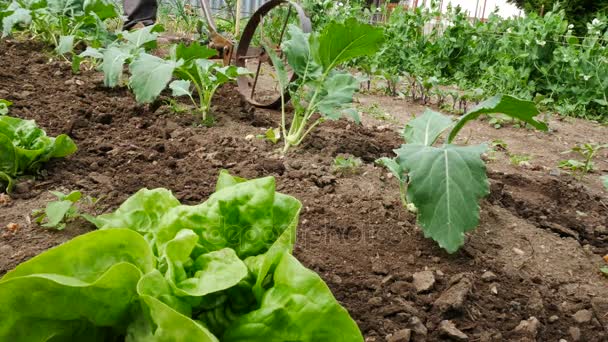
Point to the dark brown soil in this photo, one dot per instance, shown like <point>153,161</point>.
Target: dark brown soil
<point>542,236</point>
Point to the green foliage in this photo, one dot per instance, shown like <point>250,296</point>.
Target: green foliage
<point>320,88</point>
<point>347,165</point>
<point>578,12</point>
<point>4,104</point>
<point>587,152</point>
<point>24,148</point>
<point>272,134</point>
<point>445,183</point>
<point>604,180</point>
<point>62,24</point>
<point>161,271</point>
<point>58,213</point>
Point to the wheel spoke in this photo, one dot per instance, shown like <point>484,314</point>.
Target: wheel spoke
<point>255,79</point>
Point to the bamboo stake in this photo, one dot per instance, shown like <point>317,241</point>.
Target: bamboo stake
<point>237,16</point>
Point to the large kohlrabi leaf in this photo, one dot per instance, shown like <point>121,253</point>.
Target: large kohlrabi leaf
<point>445,184</point>
<point>101,8</point>
<point>338,91</point>
<point>425,129</point>
<point>299,55</point>
<point>341,42</point>
<point>505,104</point>
<point>144,36</point>
<point>150,75</point>
<point>114,58</point>
<point>18,16</point>
<point>88,283</point>
<point>298,307</point>
<point>66,44</point>
<point>189,53</point>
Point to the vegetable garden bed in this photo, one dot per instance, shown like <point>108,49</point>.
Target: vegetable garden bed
<point>541,236</point>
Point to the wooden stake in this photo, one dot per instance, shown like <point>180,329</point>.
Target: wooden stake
<point>237,18</point>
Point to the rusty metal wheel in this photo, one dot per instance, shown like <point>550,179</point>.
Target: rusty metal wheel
<point>269,25</point>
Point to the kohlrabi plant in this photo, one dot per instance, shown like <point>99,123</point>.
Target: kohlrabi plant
<point>446,182</point>
<point>24,148</point>
<point>65,209</point>
<point>321,92</point>
<point>150,75</point>
<point>113,57</point>
<point>157,270</point>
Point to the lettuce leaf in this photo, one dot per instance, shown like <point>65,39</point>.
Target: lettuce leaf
<point>24,148</point>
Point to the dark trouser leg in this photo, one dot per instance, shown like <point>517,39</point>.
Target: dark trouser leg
<point>139,11</point>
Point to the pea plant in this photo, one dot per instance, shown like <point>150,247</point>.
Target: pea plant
<point>445,183</point>
<point>321,88</point>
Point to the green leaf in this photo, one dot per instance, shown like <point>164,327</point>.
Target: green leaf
<point>114,58</point>
<point>339,89</point>
<point>4,104</point>
<point>505,104</point>
<point>605,181</point>
<point>101,8</point>
<point>143,36</point>
<point>180,88</point>
<point>66,44</point>
<point>24,147</point>
<point>445,185</point>
<point>279,67</point>
<point>426,129</point>
<point>341,42</point>
<point>394,167</point>
<point>88,282</point>
<point>298,307</point>
<point>19,16</point>
<point>149,76</point>
<point>141,212</point>
<point>299,55</point>
<point>189,53</point>
<point>55,213</point>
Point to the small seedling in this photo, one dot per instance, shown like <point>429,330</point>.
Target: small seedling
<point>605,181</point>
<point>585,165</point>
<point>499,145</point>
<point>347,165</point>
<point>4,104</point>
<point>377,113</point>
<point>272,134</point>
<point>519,159</point>
<point>67,208</point>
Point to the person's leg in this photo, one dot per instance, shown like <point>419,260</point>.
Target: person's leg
<point>139,11</point>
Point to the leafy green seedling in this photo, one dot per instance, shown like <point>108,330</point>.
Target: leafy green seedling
<point>207,77</point>
<point>519,159</point>
<point>377,113</point>
<point>587,152</point>
<point>58,213</point>
<point>605,181</point>
<point>4,104</point>
<point>272,134</point>
<point>320,88</point>
<point>349,165</point>
<point>446,183</point>
<point>499,145</point>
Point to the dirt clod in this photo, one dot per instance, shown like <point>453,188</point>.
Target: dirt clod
<point>423,281</point>
<point>454,297</point>
<point>448,329</point>
<point>583,316</point>
<point>403,335</point>
<point>528,327</point>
